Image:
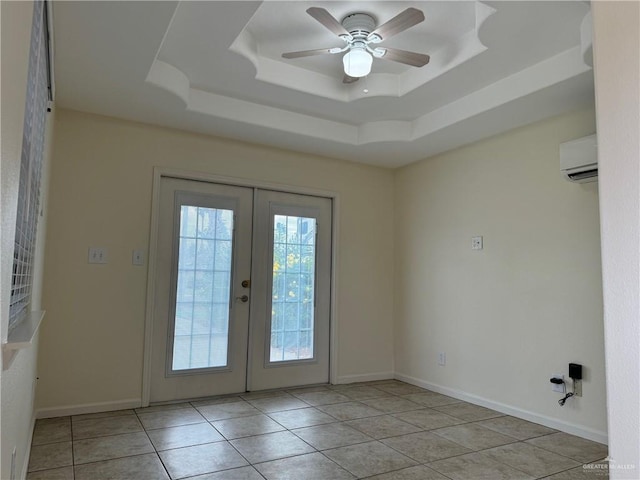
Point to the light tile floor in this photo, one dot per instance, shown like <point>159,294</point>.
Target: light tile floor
<point>379,430</point>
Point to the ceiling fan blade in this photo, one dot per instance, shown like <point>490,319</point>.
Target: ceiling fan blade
<point>308,53</point>
<point>326,19</point>
<point>347,79</point>
<point>403,56</point>
<point>399,23</point>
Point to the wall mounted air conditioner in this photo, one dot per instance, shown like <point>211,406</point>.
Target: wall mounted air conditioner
<point>579,159</point>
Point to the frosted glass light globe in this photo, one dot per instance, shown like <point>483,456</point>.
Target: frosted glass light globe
<point>357,62</point>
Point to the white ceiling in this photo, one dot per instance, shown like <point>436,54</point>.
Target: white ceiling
<point>216,68</point>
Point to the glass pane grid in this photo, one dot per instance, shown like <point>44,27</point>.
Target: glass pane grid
<point>201,327</point>
<point>293,288</point>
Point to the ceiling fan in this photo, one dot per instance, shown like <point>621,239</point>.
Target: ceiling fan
<point>360,34</point>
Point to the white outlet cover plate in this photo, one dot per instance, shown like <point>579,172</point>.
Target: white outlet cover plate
<point>442,359</point>
<point>137,257</point>
<point>476,243</point>
<point>557,387</point>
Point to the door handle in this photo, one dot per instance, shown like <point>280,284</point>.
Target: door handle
<point>243,298</point>
<point>246,283</point>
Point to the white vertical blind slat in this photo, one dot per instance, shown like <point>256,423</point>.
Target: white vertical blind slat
<point>30,168</point>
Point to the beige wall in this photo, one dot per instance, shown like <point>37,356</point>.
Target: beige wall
<point>18,380</point>
<point>513,314</point>
<point>518,311</point>
<point>617,65</point>
<point>92,342</point>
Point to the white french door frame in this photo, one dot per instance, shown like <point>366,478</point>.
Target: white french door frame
<point>158,174</point>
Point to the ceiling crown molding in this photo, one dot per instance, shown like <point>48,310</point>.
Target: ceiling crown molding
<point>545,74</point>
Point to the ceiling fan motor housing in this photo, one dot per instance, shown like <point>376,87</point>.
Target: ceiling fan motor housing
<point>359,24</point>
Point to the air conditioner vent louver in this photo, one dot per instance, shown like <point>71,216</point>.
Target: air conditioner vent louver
<point>579,160</point>
<point>576,177</point>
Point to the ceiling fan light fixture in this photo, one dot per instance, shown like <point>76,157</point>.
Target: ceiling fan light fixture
<point>357,62</point>
<point>359,31</point>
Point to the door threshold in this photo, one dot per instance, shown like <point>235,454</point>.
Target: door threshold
<point>251,394</point>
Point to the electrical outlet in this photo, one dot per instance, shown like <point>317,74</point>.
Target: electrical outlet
<point>558,387</point>
<point>97,255</point>
<point>476,243</point>
<point>577,387</point>
<point>442,359</point>
<point>138,257</point>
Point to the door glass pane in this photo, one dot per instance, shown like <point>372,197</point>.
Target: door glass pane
<point>201,327</point>
<point>292,307</point>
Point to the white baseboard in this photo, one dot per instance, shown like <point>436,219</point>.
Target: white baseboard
<point>88,408</point>
<point>573,429</point>
<point>367,377</point>
<point>25,462</point>
<point>578,430</point>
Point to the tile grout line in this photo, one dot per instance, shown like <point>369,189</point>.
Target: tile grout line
<point>158,456</point>
<point>252,465</point>
<point>358,402</point>
<point>422,407</point>
<point>234,447</point>
<point>484,450</point>
<point>73,456</point>
<point>321,452</point>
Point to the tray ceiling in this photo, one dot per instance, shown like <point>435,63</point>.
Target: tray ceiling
<point>216,68</point>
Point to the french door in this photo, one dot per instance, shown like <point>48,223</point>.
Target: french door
<point>242,298</point>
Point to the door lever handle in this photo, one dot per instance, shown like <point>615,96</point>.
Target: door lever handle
<point>243,298</point>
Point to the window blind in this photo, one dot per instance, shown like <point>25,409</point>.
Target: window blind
<point>38,95</point>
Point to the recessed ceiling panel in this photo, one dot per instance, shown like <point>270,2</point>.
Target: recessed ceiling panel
<point>216,67</point>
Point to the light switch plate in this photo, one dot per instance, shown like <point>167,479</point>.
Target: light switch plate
<point>97,255</point>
